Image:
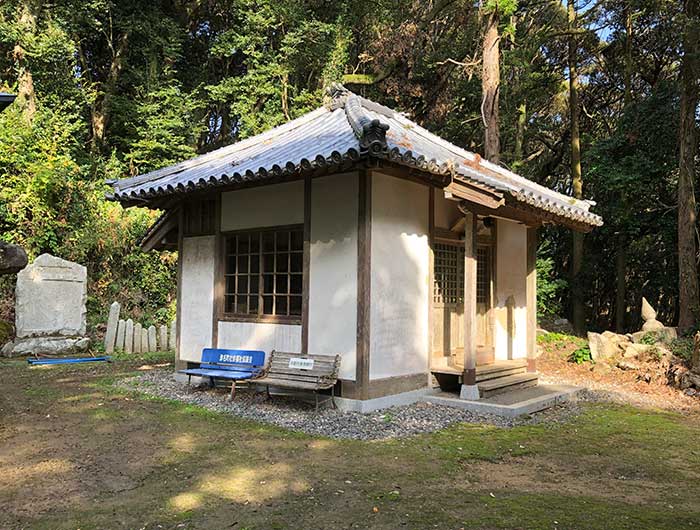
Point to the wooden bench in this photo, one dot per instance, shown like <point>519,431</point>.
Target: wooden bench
<point>233,365</point>
<point>310,373</point>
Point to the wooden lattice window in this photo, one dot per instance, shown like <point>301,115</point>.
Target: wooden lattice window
<point>483,279</point>
<point>264,270</point>
<point>448,287</point>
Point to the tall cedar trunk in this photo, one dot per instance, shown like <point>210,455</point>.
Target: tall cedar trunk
<point>520,133</point>
<point>490,82</point>
<point>621,251</point>
<point>576,178</point>
<point>101,109</point>
<point>26,97</point>
<point>687,249</point>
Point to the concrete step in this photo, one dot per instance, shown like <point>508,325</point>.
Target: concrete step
<point>500,369</point>
<point>509,383</point>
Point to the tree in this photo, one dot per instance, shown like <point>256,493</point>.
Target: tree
<point>579,317</point>
<point>689,303</point>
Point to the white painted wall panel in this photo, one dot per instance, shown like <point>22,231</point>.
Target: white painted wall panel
<point>333,278</point>
<point>400,278</point>
<point>274,205</point>
<point>197,296</point>
<point>447,212</point>
<point>260,336</point>
<point>511,274</point>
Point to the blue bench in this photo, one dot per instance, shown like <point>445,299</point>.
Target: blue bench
<point>234,365</point>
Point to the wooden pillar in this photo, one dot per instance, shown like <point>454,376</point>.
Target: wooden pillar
<point>364,276</point>
<point>306,269</point>
<point>179,364</point>
<point>531,298</point>
<point>219,267</point>
<point>469,389</point>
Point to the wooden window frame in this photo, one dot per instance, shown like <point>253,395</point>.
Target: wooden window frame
<point>199,217</point>
<point>260,317</point>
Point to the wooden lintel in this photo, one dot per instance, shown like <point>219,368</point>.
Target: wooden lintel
<point>476,195</point>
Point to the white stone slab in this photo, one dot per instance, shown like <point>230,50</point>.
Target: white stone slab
<point>173,335</point>
<point>163,342</point>
<point>121,335</point>
<point>112,323</point>
<point>137,337</point>
<point>50,298</point>
<point>152,346</point>
<point>144,340</point>
<point>129,336</point>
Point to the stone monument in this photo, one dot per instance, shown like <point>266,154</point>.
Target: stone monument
<point>50,308</point>
<point>649,317</point>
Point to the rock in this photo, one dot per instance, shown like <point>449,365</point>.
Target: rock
<point>603,347</point>
<point>13,258</point>
<point>648,312</point>
<point>112,323</point>
<point>624,364</point>
<point>636,350</point>
<point>652,325</point>
<point>129,336</point>
<point>46,346</point>
<point>50,298</point>
<point>649,317</point>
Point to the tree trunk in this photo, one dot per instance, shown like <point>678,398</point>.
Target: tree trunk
<point>490,84</point>
<point>576,178</point>
<point>26,96</point>
<point>520,133</point>
<point>101,109</point>
<point>687,246</point>
<point>621,251</point>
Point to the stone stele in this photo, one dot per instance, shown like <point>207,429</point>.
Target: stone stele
<point>50,298</point>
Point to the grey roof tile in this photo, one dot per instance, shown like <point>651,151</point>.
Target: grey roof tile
<point>347,128</point>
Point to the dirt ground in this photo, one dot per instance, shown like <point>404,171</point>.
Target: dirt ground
<point>618,385</point>
<point>75,452</point>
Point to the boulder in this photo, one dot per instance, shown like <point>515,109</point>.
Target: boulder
<point>13,258</point>
<point>624,364</point>
<point>602,346</point>
<point>46,346</point>
<point>636,350</point>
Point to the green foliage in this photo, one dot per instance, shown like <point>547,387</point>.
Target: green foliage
<point>551,289</point>
<point>649,338</point>
<point>581,355</point>
<point>682,347</point>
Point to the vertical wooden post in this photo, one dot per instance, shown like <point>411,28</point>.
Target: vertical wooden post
<point>469,389</point>
<point>364,276</point>
<point>531,299</point>
<point>179,364</point>
<point>219,266</point>
<point>306,269</point>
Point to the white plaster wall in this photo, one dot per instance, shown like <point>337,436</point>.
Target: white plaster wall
<point>274,205</point>
<point>260,336</point>
<point>511,275</point>
<point>197,296</point>
<point>333,272</point>
<point>446,211</point>
<point>400,278</point>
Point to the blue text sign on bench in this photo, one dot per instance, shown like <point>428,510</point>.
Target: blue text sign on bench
<point>229,364</point>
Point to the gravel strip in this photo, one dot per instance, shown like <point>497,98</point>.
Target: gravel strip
<point>394,422</point>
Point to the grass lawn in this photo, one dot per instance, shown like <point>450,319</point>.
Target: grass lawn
<point>76,453</point>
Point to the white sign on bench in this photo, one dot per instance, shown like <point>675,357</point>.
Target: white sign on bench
<point>301,364</point>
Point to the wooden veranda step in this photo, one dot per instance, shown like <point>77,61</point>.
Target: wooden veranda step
<point>509,383</point>
<point>500,369</point>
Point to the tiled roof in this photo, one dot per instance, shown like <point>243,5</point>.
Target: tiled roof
<point>337,135</point>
